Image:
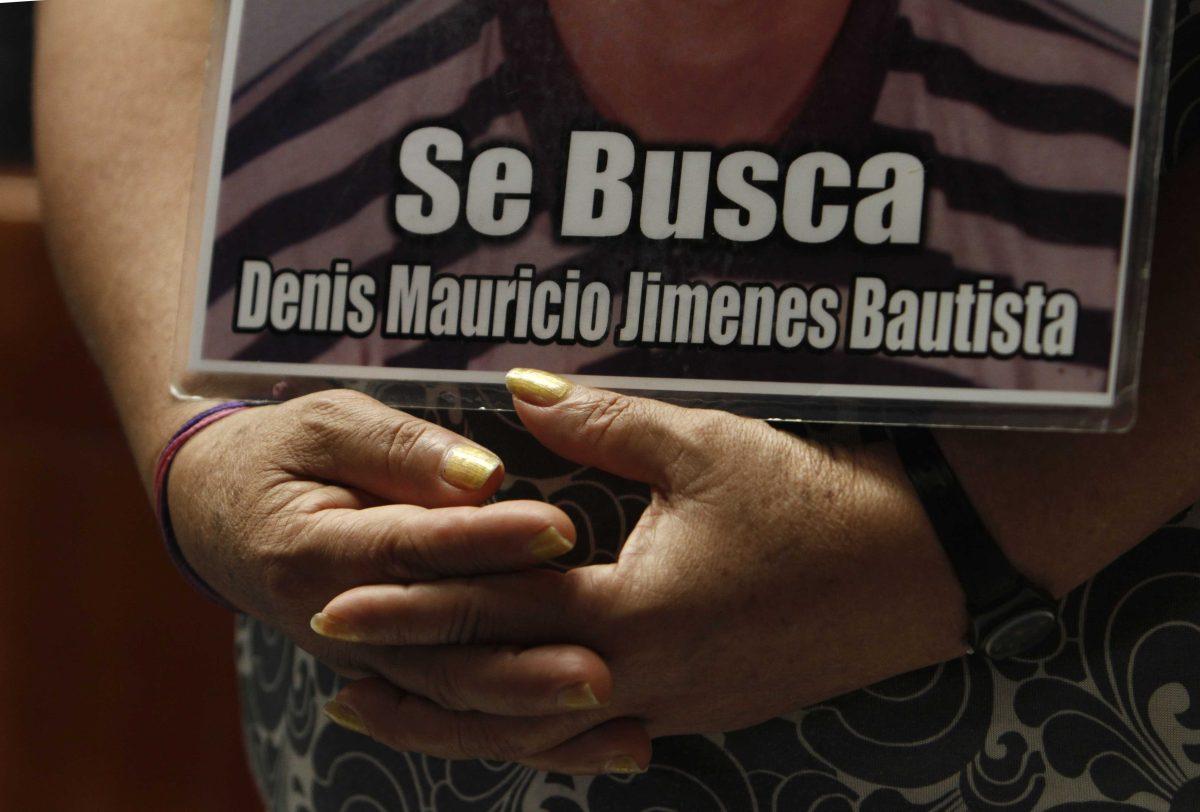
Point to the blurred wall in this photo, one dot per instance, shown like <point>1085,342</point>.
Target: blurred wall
<point>117,689</point>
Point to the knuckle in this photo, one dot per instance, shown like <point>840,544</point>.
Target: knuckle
<point>282,580</point>
<point>333,403</point>
<point>708,431</point>
<point>404,439</point>
<point>586,585</point>
<point>393,551</point>
<point>475,737</point>
<point>445,685</point>
<point>465,622</point>
<point>394,555</point>
<point>316,422</point>
<point>604,413</point>
<point>678,460</point>
<point>286,561</point>
<point>709,425</point>
<point>690,453</point>
<point>406,559</point>
<point>318,412</point>
<point>422,550</point>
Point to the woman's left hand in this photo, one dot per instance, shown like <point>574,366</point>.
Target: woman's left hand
<point>768,573</point>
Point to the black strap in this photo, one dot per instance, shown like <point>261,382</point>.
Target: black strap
<point>986,574</point>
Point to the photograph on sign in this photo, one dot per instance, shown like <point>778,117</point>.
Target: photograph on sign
<point>930,211</point>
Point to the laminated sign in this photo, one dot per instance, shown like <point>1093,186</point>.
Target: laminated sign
<point>896,211</point>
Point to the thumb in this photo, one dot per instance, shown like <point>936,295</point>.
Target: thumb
<point>634,438</point>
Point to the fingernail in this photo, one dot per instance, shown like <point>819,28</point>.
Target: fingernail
<point>537,387</point>
<point>345,716</point>
<point>623,765</point>
<point>469,467</point>
<point>550,544</point>
<point>578,697</point>
<point>333,628</point>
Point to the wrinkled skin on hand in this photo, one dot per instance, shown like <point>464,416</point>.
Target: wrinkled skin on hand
<point>280,508</point>
<point>768,573</point>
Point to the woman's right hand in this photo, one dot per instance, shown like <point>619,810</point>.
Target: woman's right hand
<point>280,508</point>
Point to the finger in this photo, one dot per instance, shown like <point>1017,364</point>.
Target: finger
<point>405,542</point>
<point>353,439</point>
<point>525,608</point>
<point>410,723</point>
<point>619,747</point>
<point>634,438</point>
<point>500,680</point>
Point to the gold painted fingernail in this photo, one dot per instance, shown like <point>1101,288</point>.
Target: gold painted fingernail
<point>623,765</point>
<point>469,467</point>
<point>537,387</point>
<point>345,716</point>
<point>333,628</point>
<point>550,544</point>
<point>578,697</point>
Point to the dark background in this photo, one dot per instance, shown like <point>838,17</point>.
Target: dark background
<point>117,687</point>
<point>16,52</point>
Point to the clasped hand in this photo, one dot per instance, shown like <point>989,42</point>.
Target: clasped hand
<point>768,573</point>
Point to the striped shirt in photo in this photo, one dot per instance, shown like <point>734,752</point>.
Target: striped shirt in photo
<point>1022,112</point>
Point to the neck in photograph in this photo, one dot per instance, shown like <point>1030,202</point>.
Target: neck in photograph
<point>713,71</point>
